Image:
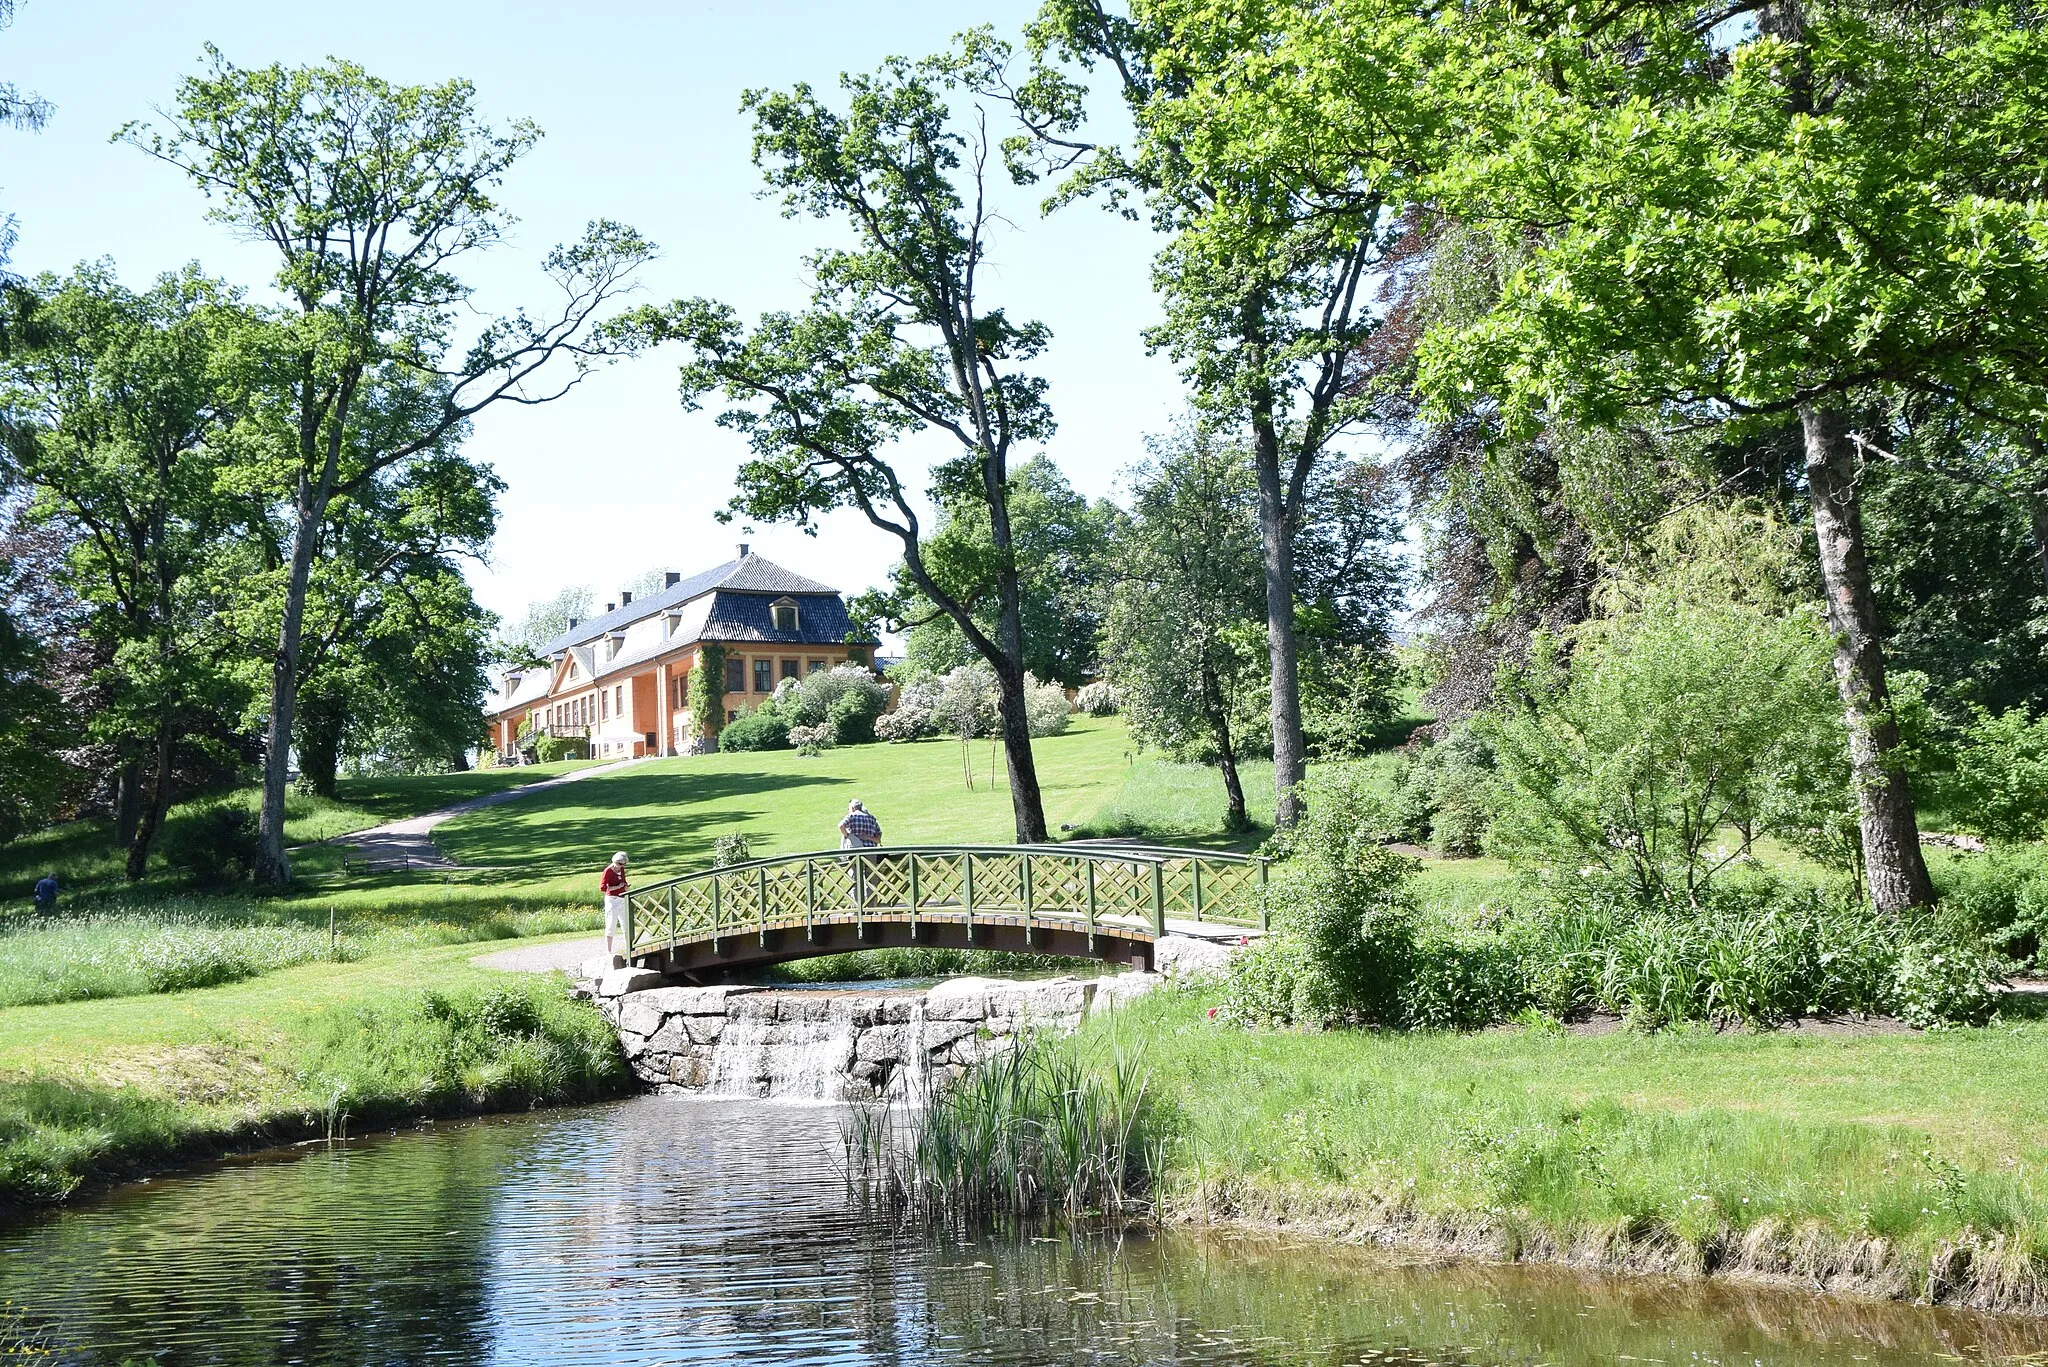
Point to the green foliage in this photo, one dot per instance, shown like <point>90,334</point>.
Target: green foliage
<point>555,749</point>
<point>1343,917</point>
<point>1445,792</point>
<point>514,1046</point>
<point>1998,785</point>
<point>1698,701</point>
<point>1940,985</point>
<point>1061,544</point>
<point>908,964</point>
<point>2001,897</point>
<point>214,846</point>
<point>707,689</point>
<point>764,728</point>
<point>734,847</point>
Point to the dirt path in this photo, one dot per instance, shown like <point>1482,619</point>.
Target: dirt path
<point>409,844</point>
<point>566,955</point>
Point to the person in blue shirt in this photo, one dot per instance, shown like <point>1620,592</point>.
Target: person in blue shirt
<point>46,893</point>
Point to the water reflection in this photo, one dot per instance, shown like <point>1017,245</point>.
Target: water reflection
<point>669,1230</point>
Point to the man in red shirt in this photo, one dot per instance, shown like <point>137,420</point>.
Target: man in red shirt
<point>612,883</point>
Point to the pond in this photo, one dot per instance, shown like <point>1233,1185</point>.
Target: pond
<point>674,1230</point>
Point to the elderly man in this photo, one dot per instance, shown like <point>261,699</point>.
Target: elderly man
<point>859,830</point>
<point>612,883</point>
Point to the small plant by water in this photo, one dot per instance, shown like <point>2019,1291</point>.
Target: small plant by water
<point>1039,1129</point>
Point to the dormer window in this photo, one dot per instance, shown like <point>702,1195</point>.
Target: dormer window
<point>784,612</point>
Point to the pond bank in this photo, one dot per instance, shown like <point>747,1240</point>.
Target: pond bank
<point>98,1092</point>
<point>1898,1165</point>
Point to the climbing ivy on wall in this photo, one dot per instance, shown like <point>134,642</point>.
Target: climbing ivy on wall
<point>707,689</point>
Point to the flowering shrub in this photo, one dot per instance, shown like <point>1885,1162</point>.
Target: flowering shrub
<point>1097,699</point>
<point>813,740</point>
<point>1046,709</point>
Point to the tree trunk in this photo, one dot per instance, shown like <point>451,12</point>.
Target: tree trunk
<point>1276,540</point>
<point>1884,796</point>
<point>127,802</point>
<point>459,761</point>
<point>152,816</point>
<point>1027,804</point>
<point>272,866</point>
<point>322,719</point>
<point>1235,819</point>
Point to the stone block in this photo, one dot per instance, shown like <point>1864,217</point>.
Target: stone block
<point>595,967</point>
<point>619,981</point>
<point>673,1037</point>
<point>879,1042</point>
<point>638,1015</point>
<point>1119,989</point>
<point>704,1029</point>
<point>960,999</point>
<point>939,1034</point>
<point>1185,958</point>
<point>896,1010</point>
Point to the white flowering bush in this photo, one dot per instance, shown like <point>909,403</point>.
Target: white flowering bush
<point>966,705</point>
<point>1046,709</point>
<point>813,740</point>
<point>1097,699</point>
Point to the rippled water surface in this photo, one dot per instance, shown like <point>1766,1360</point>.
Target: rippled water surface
<point>672,1230</point>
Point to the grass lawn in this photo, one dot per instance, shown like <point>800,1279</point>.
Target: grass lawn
<point>1709,1147</point>
<point>90,1089</point>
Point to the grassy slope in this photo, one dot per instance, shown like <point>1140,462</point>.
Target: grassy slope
<point>91,1089</point>
<point>1702,1147</point>
<point>80,852</point>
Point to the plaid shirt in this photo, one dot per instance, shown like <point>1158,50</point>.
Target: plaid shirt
<point>862,827</point>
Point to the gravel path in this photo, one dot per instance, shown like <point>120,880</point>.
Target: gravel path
<point>409,844</point>
<point>564,955</point>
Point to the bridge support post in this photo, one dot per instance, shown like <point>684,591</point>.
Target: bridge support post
<point>1158,901</point>
<point>913,899</point>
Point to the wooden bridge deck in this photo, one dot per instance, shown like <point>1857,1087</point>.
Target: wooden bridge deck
<point>1111,903</point>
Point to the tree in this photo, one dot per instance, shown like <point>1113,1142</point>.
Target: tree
<point>116,408</point>
<point>1785,221</point>
<point>897,338</point>
<point>1186,609</point>
<point>520,643</point>
<point>394,662</point>
<point>1692,702</point>
<point>1266,272</point>
<point>1061,544</point>
<point>372,195</point>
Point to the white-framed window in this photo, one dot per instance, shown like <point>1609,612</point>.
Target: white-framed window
<point>783,611</point>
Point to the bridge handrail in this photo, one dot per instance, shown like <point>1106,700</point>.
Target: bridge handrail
<point>878,866</point>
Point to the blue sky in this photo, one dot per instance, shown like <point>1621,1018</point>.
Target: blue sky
<point>639,102</point>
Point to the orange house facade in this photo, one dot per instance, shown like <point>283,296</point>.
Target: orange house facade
<point>621,681</point>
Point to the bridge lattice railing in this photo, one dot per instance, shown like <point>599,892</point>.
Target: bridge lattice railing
<point>1052,885</point>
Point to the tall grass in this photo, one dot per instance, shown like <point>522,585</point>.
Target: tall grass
<point>1037,1129</point>
<point>178,945</point>
<point>393,1057</point>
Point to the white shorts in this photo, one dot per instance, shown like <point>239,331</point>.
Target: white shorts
<point>614,915</point>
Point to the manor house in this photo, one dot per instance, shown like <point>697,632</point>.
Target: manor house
<point>622,679</point>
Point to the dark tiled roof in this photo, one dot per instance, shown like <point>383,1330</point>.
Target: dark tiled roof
<point>821,619</point>
<point>749,574</point>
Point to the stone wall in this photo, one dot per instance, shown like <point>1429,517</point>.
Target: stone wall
<point>838,1043</point>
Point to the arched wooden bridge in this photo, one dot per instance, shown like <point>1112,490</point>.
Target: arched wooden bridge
<point>1108,902</point>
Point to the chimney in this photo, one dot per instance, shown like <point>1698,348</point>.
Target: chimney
<point>574,622</point>
<point>611,607</point>
<point>743,550</point>
<point>625,597</point>
<point>671,579</point>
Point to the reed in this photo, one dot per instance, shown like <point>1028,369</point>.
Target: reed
<point>1042,1128</point>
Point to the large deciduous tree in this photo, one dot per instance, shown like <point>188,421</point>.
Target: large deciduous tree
<point>373,196</point>
<point>116,407</point>
<point>1061,544</point>
<point>1781,211</point>
<point>898,338</point>
<point>1266,275</point>
<point>1185,604</point>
